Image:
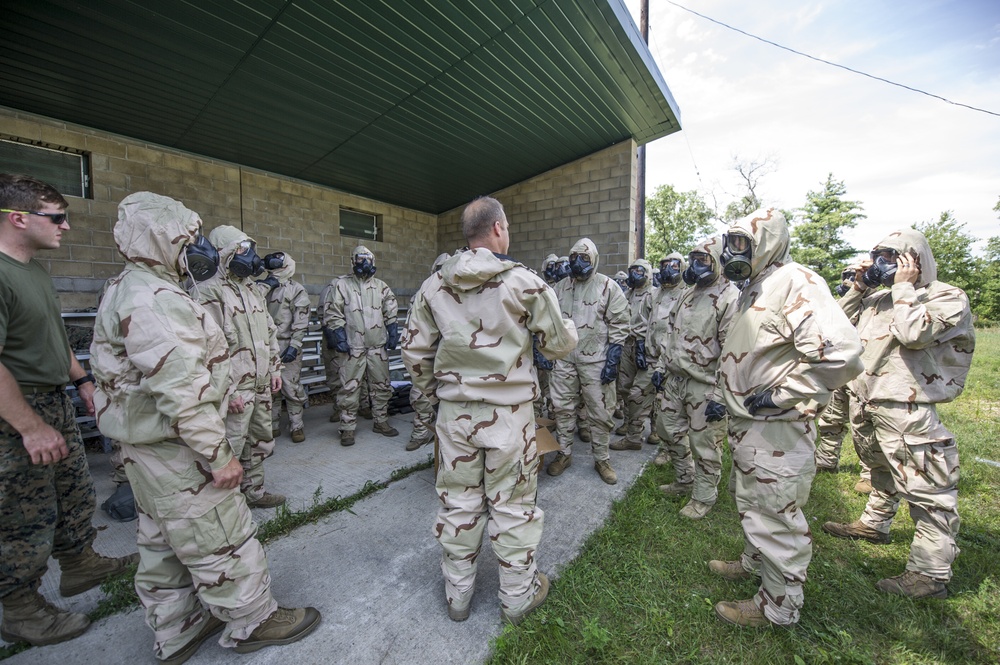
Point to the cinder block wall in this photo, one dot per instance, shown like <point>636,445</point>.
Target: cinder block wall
<point>593,197</point>
<point>279,213</point>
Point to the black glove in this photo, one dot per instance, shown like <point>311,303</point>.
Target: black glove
<point>761,400</point>
<point>336,340</point>
<point>289,354</point>
<point>640,354</point>
<point>541,362</point>
<point>271,281</point>
<point>657,380</point>
<point>611,360</point>
<point>391,336</point>
<point>714,412</point>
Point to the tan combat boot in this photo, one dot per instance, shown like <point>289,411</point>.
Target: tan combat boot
<point>913,585</point>
<point>743,613</point>
<point>210,626</point>
<point>87,569</point>
<point>298,435</point>
<point>515,618</point>
<point>863,486</point>
<point>347,438</point>
<point>857,531</point>
<point>266,500</point>
<point>608,475</point>
<point>419,441</point>
<point>677,489</point>
<point>695,510</point>
<point>385,429</point>
<point>625,444</point>
<point>654,439</point>
<point>559,464</point>
<point>335,416</point>
<point>365,412</point>
<point>283,627</point>
<point>729,570</point>
<point>662,458</point>
<point>621,430</point>
<point>585,435</point>
<point>27,617</point>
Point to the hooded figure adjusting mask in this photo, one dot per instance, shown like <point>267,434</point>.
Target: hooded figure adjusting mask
<point>886,253</point>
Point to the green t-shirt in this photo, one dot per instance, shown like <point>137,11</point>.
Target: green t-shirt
<point>35,346</point>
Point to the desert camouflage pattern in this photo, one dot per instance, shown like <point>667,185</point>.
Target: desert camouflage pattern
<point>46,508</point>
<point>288,304</point>
<point>918,342</point>
<point>363,307</point>
<point>664,300</point>
<point>331,367</point>
<point>162,368</point>
<point>468,347</point>
<point>832,424</point>
<point>787,335</point>
<point>423,413</point>
<point>549,260</point>
<point>635,387</point>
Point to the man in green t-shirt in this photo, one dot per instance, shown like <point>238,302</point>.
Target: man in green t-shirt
<point>46,492</point>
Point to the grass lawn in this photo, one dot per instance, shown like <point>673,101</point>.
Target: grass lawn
<point>641,592</point>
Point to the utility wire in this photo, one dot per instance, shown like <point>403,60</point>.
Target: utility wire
<point>827,62</point>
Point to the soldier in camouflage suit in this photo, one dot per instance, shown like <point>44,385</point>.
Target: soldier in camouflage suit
<point>360,326</point>
<point>46,492</point>
<point>543,405</point>
<point>633,374</point>
<point>698,327</point>
<point>240,309</point>
<point>468,347</point>
<point>424,416</point>
<point>665,299</point>
<point>600,311</point>
<point>789,347</point>
<point>918,340</point>
<point>163,368</point>
<point>288,305</point>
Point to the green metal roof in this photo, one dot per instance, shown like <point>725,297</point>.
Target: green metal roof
<point>421,103</point>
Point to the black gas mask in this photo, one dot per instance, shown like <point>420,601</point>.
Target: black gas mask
<point>364,266</point>
<point>622,282</point>
<point>842,288</point>
<point>737,252</point>
<point>274,261</point>
<point>202,259</point>
<point>636,276</point>
<point>562,270</point>
<point>883,269</point>
<point>245,262</point>
<point>580,266</point>
<point>670,272</point>
<point>550,271</point>
<point>699,270</point>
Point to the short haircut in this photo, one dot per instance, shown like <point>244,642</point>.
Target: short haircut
<point>22,192</point>
<point>479,216</point>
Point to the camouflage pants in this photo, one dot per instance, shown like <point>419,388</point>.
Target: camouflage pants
<point>832,424</point>
<point>331,369</point>
<point>488,473</point>
<point>913,457</point>
<point>544,401</point>
<point>626,372</point>
<point>45,509</point>
<point>693,443</point>
<point>197,547</point>
<point>353,369</point>
<point>570,382</point>
<point>773,469</point>
<point>639,405</point>
<point>249,435</point>
<point>117,463</point>
<point>292,393</point>
<point>423,418</point>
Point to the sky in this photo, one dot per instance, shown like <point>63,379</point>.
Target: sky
<point>905,157</point>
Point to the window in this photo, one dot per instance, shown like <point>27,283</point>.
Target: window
<point>357,224</point>
<point>65,169</point>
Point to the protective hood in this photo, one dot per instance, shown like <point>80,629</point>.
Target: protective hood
<point>439,261</point>
<point>644,264</point>
<point>551,258</point>
<point>152,231</point>
<point>712,247</point>
<point>361,250</point>
<point>472,268</point>
<point>586,246</point>
<point>285,272</point>
<point>768,231</point>
<point>621,276</point>
<point>913,242</point>
<point>226,238</point>
<point>684,266</point>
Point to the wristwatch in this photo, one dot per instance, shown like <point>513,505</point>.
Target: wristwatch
<point>88,378</point>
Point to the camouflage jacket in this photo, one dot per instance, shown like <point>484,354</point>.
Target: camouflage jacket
<point>918,338</point>
<point>288,305</point>
<point>640,304</point>
<point>788,334</point>
<point>363,308</point>
<point>664,300</point>
<point>699,324</point>
<point>161,362</point>
<point>469,331</point>
<point>598,308</point>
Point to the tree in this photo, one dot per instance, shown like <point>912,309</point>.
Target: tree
<point>952,248</point>
<point>674,221</point>
<point>750,172</point>
<point>816,235</point>
<point>987,301</point>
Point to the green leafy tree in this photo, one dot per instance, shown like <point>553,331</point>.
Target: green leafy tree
<point>816,235</point>
<point>952,248</point>
<point>675,221</point>
<point>986,300</point>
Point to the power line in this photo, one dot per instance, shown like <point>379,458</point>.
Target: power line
<point>827,62</point>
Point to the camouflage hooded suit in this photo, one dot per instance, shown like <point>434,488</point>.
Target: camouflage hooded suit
<point>665,299</point>
<point>789,336</point>
<point>600,311</point>
<point>288,304</point>
<point>544,401</point>
<point>468,347</point>
<point>634,384</point>
<point>162,367</point>
<point>697,332</point>
<point>918,341</point>
<point>240,309</point>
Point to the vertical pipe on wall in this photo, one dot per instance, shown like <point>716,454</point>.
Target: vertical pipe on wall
<point>640,178</point>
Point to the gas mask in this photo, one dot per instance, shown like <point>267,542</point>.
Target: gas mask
<point>245,262</point>
<point>274,261</point>
<point>621,279</point>
<point>670,272</point>
<point>737,252</point>
<point>562,270</point>
<point>699,269</point>
<point>202,259</point>
<point>364,266</point>
<point>580,266</point>
<point>550,272</point>
<point>636,276</point>
<point>883,270</point>
<point>844,287</point>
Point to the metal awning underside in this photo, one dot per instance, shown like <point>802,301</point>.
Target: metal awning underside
<point>424,104</point>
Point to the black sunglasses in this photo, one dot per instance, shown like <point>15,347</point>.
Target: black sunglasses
<point>56,218</point>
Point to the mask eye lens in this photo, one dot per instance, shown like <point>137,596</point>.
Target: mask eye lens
<point>887,255</point>
<point>701,259</point>
<point>737,243</point>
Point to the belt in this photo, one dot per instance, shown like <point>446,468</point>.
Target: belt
<point>39,390</point>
